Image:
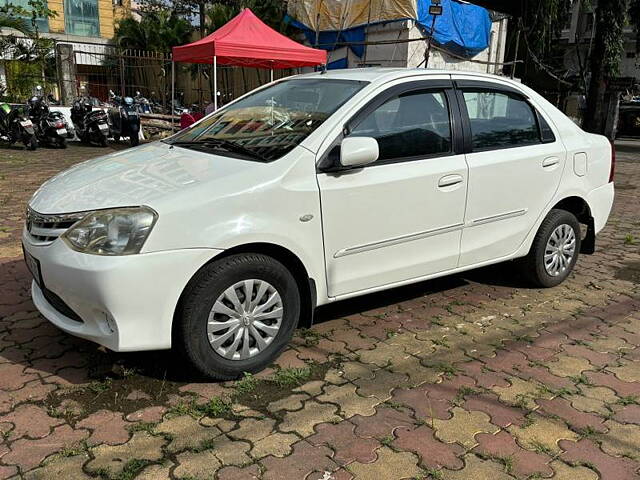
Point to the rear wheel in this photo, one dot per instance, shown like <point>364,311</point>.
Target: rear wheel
<point>237,315</point>
<point>555,250</point>
<point>31,143</point>
<point>62,142</point>
<point>134,140</point>
<point>102,141</point>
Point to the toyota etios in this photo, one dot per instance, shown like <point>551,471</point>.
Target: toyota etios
<point>223,238</point>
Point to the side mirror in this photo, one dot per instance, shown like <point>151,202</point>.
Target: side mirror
<point>358,151</point>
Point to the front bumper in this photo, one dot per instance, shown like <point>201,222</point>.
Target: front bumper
<point>124,303</point>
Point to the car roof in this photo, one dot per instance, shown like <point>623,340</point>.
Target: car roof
<point>373,74</point>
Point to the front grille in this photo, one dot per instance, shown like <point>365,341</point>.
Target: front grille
<point>56,302</point>
<point>44,229</point>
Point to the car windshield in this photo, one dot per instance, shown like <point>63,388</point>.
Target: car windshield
<point>269,123</point>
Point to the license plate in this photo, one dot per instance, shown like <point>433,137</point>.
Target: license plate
<point>62,131</point>
<point>103,126</point>
<point>34,267</point>
<point>26,124</point>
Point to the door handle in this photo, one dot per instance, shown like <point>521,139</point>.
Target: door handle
<point>449,181</point>
<point>550,162</point>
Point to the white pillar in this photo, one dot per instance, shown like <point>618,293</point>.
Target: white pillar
<point>215,83</point>
<point>173,92</point>
<point>272,74</point>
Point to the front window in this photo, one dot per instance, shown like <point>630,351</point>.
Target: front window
<point>269,123</point>
<point>81,18</point>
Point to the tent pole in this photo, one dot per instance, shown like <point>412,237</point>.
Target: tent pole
<point>173,92</point>
<point>215,83</point>
<point>272,74</point>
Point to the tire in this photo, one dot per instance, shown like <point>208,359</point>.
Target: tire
<point>102,141</point>
<point>134,140</point>
<point>533,265</point>
<point>209,287</point>
<point>32,143</point>
<point>62,142</point>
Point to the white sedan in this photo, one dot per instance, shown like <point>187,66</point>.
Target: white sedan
<point>222,239</point>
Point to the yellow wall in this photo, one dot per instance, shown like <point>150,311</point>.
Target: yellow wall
<point>56,24</point>
<point>105,12</point>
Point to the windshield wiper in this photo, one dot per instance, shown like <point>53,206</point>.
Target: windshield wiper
<point>224,145</point>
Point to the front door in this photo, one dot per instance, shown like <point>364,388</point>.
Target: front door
<point>515,165</point>
<point>401,217</point>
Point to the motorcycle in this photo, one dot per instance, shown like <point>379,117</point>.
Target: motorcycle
<point>16,126</point>
<point>142,104</point>
<point>51,127</point>
<point>91,125</point>
<point>124,120</point>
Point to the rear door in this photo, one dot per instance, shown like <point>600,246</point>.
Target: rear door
<point>515,165</point>
<point>401,217</point>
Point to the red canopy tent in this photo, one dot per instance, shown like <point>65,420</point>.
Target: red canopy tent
<point>246,41</point>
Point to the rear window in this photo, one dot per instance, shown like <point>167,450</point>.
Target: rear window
<point>500,120</point>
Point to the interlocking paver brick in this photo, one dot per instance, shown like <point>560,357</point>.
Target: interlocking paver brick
<point>61,468</point>
<point>388,464</point>
<point>239,473</point>
<point>568,366</point>
<point>27,420</point>
<point>382,424</point>
<point>106,427</point>
<point>142,446</point>
<point>432,452</point>
<point>197,464</point>
<point>343,441</point>
<point>381,385</point>
<point>305,459</point>
<point>252,429</point>
<point>523,463</point>
<point>610,468</point>
<point>501,415</point>
<point>566,472</point>
<point>544,432</point>
<point>477,468</point>
<point>186,432</point>
<point>621,440</point>
<point>27,454</point>
<point>349,402</point>
<point>463,427</point>
<point>578,420</point>
<point>519,392</point>
<point>627,413</point>
<point>627,372</point>
<point>276,444</point>
<point>303,421</point>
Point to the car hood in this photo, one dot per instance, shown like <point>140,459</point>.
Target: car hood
<point>138,176</point>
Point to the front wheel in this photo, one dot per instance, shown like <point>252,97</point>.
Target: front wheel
<point>236,315</point>
<point>134,140</point>
<point>554,251</point>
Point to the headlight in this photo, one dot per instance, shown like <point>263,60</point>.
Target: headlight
<point>117,231</point>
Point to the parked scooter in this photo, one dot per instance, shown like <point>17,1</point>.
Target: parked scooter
<point>142,104</point>
<point>123,119</point>
<point>91,125</point>
<point>15,126</point>
<point>51,127</point>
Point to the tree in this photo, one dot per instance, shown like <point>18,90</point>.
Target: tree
<point>608,46</point>
<point>158,30</point>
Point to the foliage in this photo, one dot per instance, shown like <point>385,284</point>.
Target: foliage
<point>30,59</point>
<point>158,30</point>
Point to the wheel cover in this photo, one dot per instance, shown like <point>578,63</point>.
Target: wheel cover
<point>560,250</point>
<point>245,319</point>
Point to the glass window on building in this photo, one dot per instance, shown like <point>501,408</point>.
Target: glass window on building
<point>41,23</point>
<point>81,18</point>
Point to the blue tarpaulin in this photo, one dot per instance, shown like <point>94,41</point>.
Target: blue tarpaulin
<point>462,28</point>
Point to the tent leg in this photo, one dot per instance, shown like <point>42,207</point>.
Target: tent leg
<point>173,93</point>
<point>215,83</point>
<point>272,74</point>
